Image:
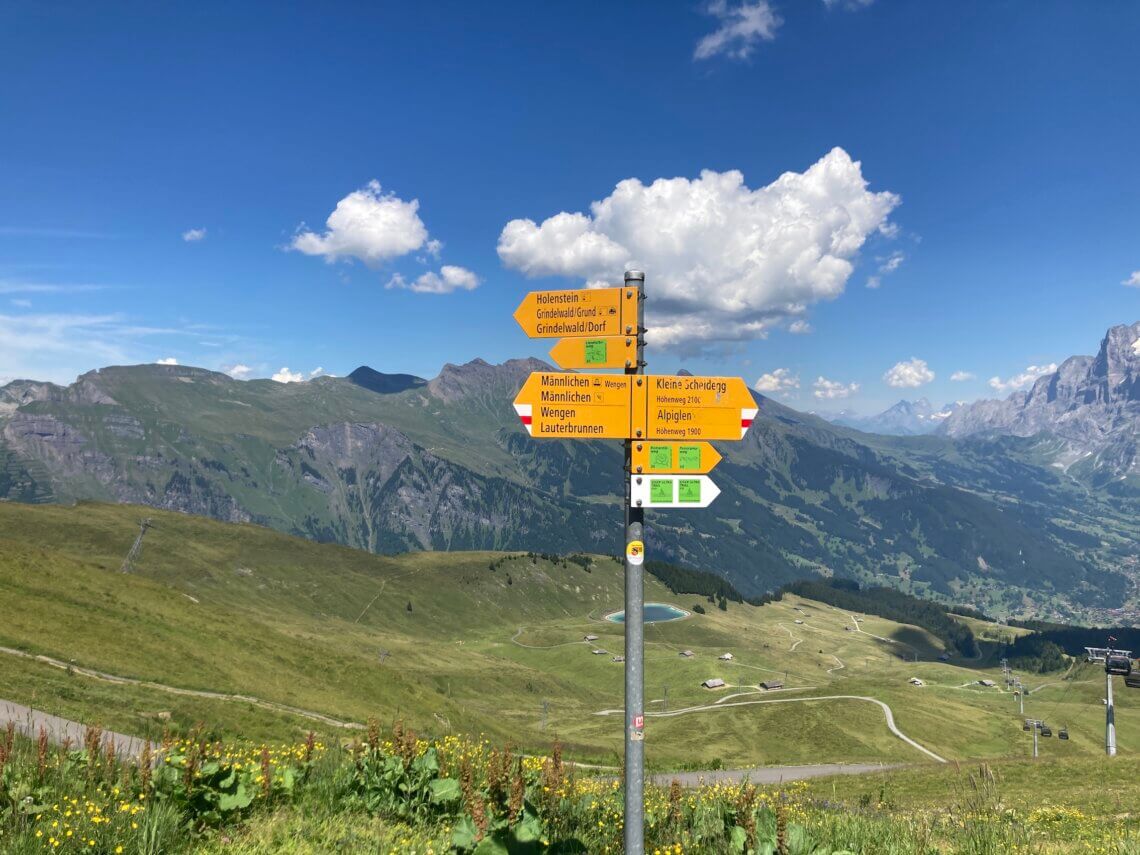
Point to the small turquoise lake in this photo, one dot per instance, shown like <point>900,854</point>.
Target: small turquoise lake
<point>654,613</point>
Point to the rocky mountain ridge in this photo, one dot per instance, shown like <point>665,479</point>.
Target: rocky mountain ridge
<point>1084,414</point>
<point>906,418</point>
<point>444,464</point>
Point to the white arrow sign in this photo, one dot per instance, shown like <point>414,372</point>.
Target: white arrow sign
<point>672,491</point>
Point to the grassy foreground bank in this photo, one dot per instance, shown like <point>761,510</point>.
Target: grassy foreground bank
<point>396,793</point>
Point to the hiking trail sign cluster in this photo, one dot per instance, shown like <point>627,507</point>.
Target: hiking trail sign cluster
<point>667,423</point>
<point>670,419</point>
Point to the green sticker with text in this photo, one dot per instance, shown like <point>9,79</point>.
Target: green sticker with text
<point>595,351</point>
<point>661,490</point>
<point>661,457</point>
<point>689,457</point>
<point>689,490</point>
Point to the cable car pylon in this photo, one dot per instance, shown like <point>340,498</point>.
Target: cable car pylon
<point>1115,662</point>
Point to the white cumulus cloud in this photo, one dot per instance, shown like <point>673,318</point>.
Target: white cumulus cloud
<point>1023,379</point>
<point>830,390</point>
<point>742,27</point>
<point>238,371</point>
<point>194,235</point>
<point>450,278</point>
<point>287,376</point>
<point>723,261</point>
<point>962,376</point>
<point>778,380</point>
<point>800,327</point>
<point>1133,280</point>
<point>369,225</point>
<point>170,360</point>
<point>564,245</point>
<point>909,374</point>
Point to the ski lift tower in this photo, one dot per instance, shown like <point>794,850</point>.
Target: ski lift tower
<point>1115,662</point>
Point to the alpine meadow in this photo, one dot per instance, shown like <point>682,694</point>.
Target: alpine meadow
<point>530,429</point>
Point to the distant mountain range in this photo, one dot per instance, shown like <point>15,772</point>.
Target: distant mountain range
<point>389,463</point>
<point>1084,415</point>
<point>906,418</point>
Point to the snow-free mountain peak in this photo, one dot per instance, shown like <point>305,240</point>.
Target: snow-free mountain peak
<point>1089,408</point>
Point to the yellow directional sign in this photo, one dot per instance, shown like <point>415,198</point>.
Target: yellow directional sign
<point>575,406</point>
<point>696,408</point>
<point>611,351</point>
<point>585,312</point>
<point>693,458</point>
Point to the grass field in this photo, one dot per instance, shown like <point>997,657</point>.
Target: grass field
<point>1097,787</point>
<point>242,609</point>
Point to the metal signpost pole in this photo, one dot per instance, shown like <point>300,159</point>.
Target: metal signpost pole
<point>666,463</point>
<point>1035,729</point>
<point>634,629</point>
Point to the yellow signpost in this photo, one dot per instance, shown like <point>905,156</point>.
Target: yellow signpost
<point>680,458</point>
<point>587,312</point>
<point>697,408</point>
<point>575,406</point>
<point>666,423</point>
<point>610,351</point>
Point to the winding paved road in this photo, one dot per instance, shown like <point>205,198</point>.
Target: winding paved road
<point>767,775</point>
<point>891,726</point>
<point>29,721</point>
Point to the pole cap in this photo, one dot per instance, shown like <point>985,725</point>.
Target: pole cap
<point>634,276</point>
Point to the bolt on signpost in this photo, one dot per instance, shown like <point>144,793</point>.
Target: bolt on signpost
<point>666,423</point>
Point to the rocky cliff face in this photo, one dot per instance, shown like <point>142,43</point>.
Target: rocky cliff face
<point>1090,405</point>
<point>480,380</point>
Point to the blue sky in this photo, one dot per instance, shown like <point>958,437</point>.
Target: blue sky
<point>975,161</point>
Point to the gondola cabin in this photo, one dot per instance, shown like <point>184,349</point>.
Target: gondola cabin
<point>1115,663</point>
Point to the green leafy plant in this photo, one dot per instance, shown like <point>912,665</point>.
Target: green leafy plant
<point>209,794</point>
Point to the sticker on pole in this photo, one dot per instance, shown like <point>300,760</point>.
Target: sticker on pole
<point>639,722</point>
<point>635,552</point>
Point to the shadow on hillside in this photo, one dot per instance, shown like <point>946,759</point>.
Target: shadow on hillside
<point>915,641</point>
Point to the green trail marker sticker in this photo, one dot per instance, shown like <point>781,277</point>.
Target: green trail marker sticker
<point>661,490</point>
<point>660,457</point>
<point>689,490</point>
<point>689,457</point>
<point>595,351</point>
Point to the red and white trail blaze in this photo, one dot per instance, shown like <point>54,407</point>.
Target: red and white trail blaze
<point>746,417</point>
<point>524,411</point>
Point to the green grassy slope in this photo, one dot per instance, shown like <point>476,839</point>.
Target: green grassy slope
<point>243,609</point>
<point>446,466</point>
<point>1096,786</point>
